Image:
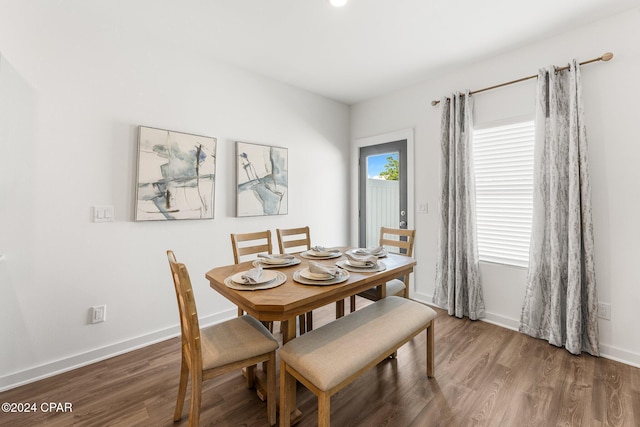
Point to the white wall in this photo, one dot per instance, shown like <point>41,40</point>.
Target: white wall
<point>72,95</point>
<point>610,91</point>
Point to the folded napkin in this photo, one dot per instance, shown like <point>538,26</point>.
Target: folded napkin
<point>277,259</point>
<point>323,271</point>
<point>362,260</point>
<point>372,251</point>
<point>323,249</point>
<point>252,276</point>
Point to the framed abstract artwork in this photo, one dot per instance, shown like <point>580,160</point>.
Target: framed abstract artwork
<point>262,180</point>
<point>176,175</point>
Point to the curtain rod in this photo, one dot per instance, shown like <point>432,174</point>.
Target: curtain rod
<point>605,57</point>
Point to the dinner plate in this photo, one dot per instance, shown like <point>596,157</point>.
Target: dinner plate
<point>261,262</point>
<point>265,277</point>
<point>279,280</point>
<point>380,266</point>
<point>362,264</point>
<point>275,260</point>
<point>363,251</point>
<point>313,255</point>
<point>342,277</point>
<point>317,276</point>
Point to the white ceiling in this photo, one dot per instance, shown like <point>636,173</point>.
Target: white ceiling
<point>350,54</point>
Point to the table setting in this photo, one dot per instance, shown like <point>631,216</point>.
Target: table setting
<point>321,253</point>
<point>255,279</point>
<point>361,263</point>
<point>378,252</point>
<point>275,261</point>
<point>320,274</point>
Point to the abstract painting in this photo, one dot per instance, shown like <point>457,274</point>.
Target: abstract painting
<point>176,175</point>
<point>262,179</point>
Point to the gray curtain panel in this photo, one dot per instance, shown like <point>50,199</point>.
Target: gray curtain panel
<point>560,303</point>
<point>458,287</point>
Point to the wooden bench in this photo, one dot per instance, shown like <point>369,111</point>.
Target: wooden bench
<point>328,358</point>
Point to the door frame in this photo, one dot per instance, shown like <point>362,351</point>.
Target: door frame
<point>356,144</point>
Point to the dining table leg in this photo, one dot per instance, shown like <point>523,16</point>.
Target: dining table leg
<point>339,308</point>
<point>288,330</point>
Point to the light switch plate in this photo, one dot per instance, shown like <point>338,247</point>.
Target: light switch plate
<point>103,214</point>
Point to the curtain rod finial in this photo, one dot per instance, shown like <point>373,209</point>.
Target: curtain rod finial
<point>606,56</point>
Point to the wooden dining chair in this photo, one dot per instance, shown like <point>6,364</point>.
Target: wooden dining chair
<point>242,342</point>
<point>250,244</point>
<point>401,240</point>
<point>299,238</point>
<point>245,244</point>
<point>255,243</point>
<point>296,240</point>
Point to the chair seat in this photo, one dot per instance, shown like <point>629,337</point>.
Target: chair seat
<point>394,287</point>
<point>239,338</point>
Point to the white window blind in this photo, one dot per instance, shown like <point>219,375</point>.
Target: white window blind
<point>503,162</point>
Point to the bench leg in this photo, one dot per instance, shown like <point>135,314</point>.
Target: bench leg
<point>287,395</point>
<point>430,351</point>
<point>324,410</point>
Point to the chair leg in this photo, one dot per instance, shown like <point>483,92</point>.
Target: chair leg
<point>302,326</point>
<point>271,389</point>
<point>324,410</point>
<point>339,308</point>
<point>182,390</point>
<point>309,321</point>
<point>352,303</point>
<point>196,397</point>
<point>430,350</point>
<point>251,376</point>
<point>287,395</point>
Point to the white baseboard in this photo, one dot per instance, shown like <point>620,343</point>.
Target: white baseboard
<point>606,351</point>
<point>50,369</point>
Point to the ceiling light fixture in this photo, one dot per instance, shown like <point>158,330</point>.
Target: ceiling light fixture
<point>338,3</point>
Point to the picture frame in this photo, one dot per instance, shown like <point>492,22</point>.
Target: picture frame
<point>175,175</point>
<point>262,180</point>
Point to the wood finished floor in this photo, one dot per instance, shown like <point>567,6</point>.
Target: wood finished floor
<point>485,376</point>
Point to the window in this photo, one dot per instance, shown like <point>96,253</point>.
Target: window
<point>503,162</point>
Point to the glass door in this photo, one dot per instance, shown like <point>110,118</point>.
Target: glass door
<point>382,190</point>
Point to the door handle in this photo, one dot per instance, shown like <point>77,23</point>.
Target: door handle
<point>403,224</point>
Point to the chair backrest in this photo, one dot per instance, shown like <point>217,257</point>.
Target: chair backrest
<point>188,313</point>
<point>293,238</point>
<point>250,243</point>
<point>398,238</point>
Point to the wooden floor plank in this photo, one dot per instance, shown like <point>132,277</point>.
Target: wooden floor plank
<point>485,376</point>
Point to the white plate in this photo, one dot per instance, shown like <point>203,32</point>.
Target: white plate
<point>313,276</point>
<point>310,255</point>
<point>319,253</point>
<point>362,251</point>
<point>279,280</point>
<point>360,264</point>
<point>380,266</point>
<point>265,277</point>
<point>343,277</point>
<point>261,262</point>
<point>275,261</point>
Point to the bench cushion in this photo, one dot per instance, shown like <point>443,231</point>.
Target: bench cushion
<point>332,353</point>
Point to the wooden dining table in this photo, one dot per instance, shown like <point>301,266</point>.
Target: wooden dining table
<point>291,299</point>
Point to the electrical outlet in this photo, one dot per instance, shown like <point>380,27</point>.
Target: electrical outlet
<point>604,310</point>
<point>98,313</point>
